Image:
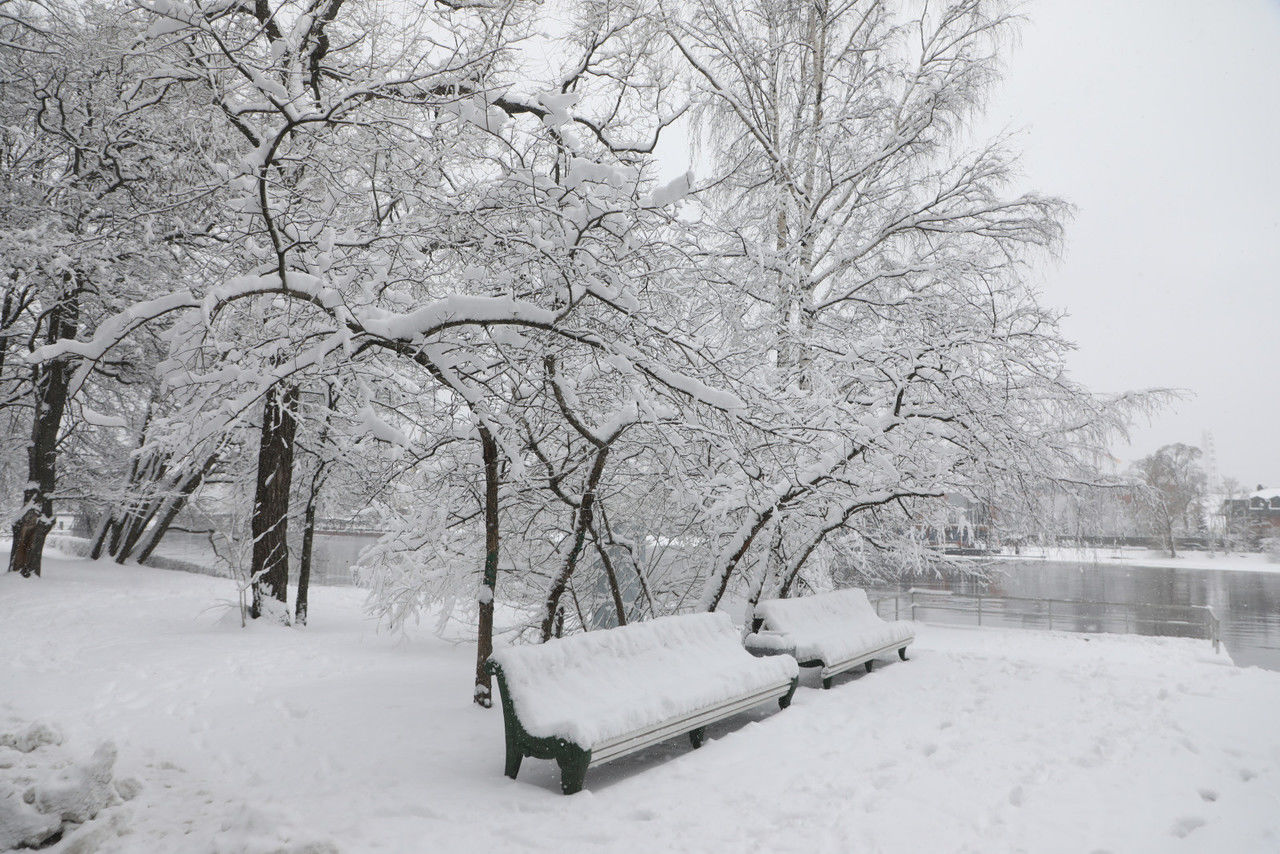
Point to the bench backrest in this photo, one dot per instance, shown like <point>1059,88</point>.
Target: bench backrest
<point>839,609</point>
<point>589,686</point>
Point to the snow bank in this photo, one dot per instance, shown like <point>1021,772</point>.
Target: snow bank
<point>44,794</point>
<point>36,735</point>
<point>593,687</point>
<point>831,626</point>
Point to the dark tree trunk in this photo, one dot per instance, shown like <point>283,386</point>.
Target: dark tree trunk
<point>645,598</point>
<point>117,533</point>
<point>49,384</point>
<point>484,634</point>
<point>6,313</point>
<point>775,567</point>
<point>140,514</point>
<point>100,536</point>
<point>304,559</point>
<point>726,572</point>
<point>612,576</point>
<point>582,523</point>
<point>309,516</point>
<point>172,507</point>
<point>139,467</point>
<point>269,525</point>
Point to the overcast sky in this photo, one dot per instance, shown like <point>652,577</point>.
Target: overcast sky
<point>1160,121</point>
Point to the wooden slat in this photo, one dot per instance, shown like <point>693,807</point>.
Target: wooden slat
<point>862,658</point>
<point>622,745</point>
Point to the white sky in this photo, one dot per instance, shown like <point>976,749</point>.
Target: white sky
<point>1160,121</point>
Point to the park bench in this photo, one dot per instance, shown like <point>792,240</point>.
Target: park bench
<point>836,631</point>
<point>590,698</point>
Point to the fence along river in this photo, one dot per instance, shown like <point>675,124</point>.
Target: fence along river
<point>1088,597</point>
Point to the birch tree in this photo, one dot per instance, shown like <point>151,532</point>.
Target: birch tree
<point>883,259</point>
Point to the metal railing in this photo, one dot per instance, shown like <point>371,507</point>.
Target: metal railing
<point>1071,614</point>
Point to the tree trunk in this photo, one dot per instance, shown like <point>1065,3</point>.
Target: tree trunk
<point>304,559</point>
<point>136,466</point>
<point>774,566</point>
<point>615,589</point>
<point>269,526</point>
<point>309,516</point>
<point>50,382</point>
<point>100,536</point>
<point>174,506</point>
<point>484,635</point>
<point>719,582</point>
<point>582,523</point>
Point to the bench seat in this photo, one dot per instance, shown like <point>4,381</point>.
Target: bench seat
<point>836,631</point>
<point>590,698</point>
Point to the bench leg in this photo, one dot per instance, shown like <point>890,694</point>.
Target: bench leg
<point>785,699</point>
<point>513,761</point>
<point>697,736</point>
<point>826,681</point>
<point>573,762</point>
<point>902,653</point>
<point>869,664</point>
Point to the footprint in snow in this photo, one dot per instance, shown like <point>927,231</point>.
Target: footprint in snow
<point>1208,795</point>
<point>1015,796</point>
<point>1185,826</point>
<point>1247,774</point>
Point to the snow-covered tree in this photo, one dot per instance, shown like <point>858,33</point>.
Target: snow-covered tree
<point>96,162</point>
<point>400,200</point>
<point>882,259</point>
<point>1174,492</point>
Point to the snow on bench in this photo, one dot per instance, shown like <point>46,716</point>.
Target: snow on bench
<point>837,631</point>
<point>590,698</point>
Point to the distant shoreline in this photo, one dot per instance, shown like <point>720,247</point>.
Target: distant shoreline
<point>1217,562</point>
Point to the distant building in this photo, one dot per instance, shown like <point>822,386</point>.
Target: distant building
<point>1259,511</point>
<point>963,525</point>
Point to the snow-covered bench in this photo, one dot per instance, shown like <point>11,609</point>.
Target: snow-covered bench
<point>836,631</point>
<point>590,698</point>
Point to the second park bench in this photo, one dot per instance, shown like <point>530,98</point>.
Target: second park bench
<point>836,631</point>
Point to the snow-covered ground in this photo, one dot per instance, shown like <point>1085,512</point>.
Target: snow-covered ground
<point>1235,561</point>
<point>338,738</point>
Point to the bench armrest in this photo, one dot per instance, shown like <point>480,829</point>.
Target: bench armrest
<point>769,643</point>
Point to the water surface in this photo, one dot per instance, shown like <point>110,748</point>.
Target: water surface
<point>1246,603</point>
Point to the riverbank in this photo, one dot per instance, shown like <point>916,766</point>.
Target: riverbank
<point>339,738</point>
<point>1218,561</point>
